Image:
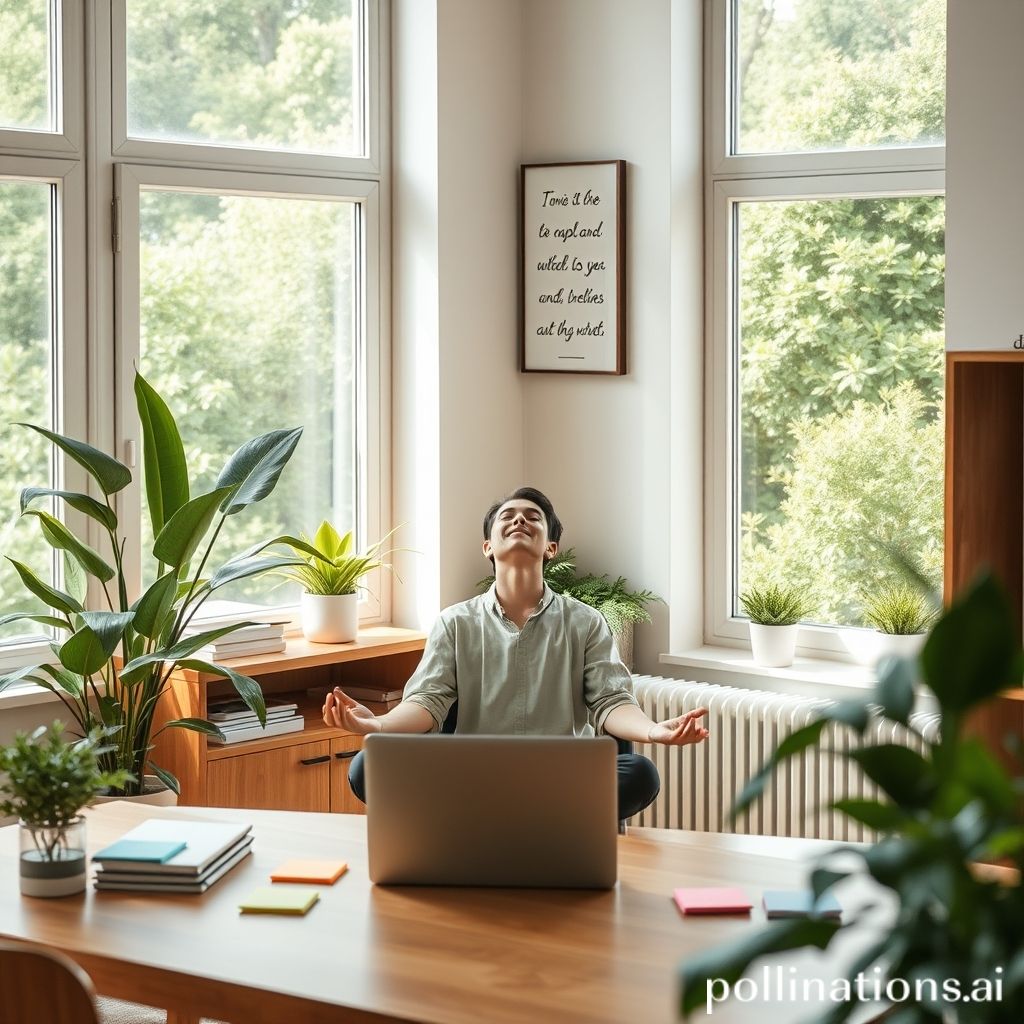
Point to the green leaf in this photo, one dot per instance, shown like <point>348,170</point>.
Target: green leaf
<point>822,879</point>
<point>246,688</point>
<point>153,607</point>
<point>61,538</point>
<point>328,540</point>
<point>169,780</point>
<point>43,620</point>
<point>70,682</point>
<point>233,570</point>
<point>878,816</point>
<point>253,471</point>
<point>47,594</point>
<point>901,773</point>
<point>729,963</point>
<point>894,690</point>
<point>163,455</point>
<point>94,509</point>
<point>972,653</point>
<point>111,712</point>
<point>139,667</point>
<point>854,713</point>
<point>195,725</point>
<point>83,652</point>
<point>109,627</point>
<point>111,475</point>
<point>177,541</point>
<point>75,579</point>
<point>19,676</point>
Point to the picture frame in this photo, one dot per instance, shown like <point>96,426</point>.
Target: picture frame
<point>572,267</point>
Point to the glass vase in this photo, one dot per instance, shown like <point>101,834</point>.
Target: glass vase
<point>52,860</point>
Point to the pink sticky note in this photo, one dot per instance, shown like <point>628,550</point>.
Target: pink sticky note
<point>710,900</point>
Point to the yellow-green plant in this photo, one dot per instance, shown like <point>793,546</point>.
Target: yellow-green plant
<point>898,609</point>
<point>326,566</point>
<point>774,605</point>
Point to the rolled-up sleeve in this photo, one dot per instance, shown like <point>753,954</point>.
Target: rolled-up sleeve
<point>607,683</point>
<point>433,684</point>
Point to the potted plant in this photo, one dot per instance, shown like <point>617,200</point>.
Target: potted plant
<point>46,782</point>
<point>944,814</point>
<point>111,665</point>
<point>621,607</point>
<point>329,575</point>
<point>774,613</point>
<point>901,616</point>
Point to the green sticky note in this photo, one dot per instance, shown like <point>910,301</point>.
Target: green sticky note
<point>273,899</point>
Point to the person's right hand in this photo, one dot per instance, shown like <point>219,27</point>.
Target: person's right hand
<point>342,712</point>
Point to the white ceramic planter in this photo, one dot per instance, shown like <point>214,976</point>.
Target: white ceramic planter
<point>773,646</point>
<point>330,619</point>
<point>154,793</point>
<point>52,861</point>
<point>870,646</point>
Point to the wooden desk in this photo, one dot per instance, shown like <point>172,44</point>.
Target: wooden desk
<point>447,956</point>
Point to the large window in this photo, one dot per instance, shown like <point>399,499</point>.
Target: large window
<point>229,244</point>
<point>826,258</point>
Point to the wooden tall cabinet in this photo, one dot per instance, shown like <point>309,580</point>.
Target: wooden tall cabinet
<point>299,771</point>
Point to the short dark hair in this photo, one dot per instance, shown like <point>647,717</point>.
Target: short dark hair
<point>538,498</point>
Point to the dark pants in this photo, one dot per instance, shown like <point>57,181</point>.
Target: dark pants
<point>639,782</point>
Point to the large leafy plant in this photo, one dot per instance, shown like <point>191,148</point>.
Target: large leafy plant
<point>48,780</point>
<point>111,666</point>
<point>941,812</point>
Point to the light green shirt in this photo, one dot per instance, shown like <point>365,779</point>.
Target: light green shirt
<point>554,677</point>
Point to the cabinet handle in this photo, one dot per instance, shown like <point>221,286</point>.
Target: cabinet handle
<point>347,753</point>
<point>315,760</point>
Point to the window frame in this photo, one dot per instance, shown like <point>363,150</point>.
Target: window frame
<point>730,179</point>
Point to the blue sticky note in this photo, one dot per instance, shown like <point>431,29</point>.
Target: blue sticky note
<point>800,903</point>
<point>141,850</point>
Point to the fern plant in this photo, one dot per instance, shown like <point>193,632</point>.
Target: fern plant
<point>898,609</point>
<point>612,598</point>
<point>333,571</point>
<point>774,605</point>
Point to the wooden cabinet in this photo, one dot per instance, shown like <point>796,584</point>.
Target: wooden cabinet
<point>299,771</point>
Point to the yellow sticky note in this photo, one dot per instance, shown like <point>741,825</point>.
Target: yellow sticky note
<point>279,900</point>
<point>323,872</point>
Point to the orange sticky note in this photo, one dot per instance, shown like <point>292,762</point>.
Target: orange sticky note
<point>323,872</point>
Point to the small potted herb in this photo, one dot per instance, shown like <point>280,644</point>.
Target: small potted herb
<point>774,613</point>
<point>902,616</point>
<point>48,781</point>
<point>330,581</point>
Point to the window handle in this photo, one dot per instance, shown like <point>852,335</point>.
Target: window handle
<point>315,760</point>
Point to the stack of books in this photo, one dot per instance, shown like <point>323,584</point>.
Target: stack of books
<point>262,638</point>
<point>234,719</point>
<point>172,856</point>
<point>377,700</point>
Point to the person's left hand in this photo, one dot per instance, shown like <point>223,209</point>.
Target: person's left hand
<point>677,732</point>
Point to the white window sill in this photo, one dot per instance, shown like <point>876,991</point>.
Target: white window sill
<point>24,696</point>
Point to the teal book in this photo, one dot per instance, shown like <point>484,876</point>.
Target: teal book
<point>800,903</point>
<point>148,851</point>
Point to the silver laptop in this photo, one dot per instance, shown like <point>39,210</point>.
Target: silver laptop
<point>492,810</point>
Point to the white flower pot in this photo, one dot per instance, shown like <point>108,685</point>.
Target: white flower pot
<point>870,646</point>
<point>773,646</point>
<point>154,793</point>
<point>52,861</point>
<point>330,619</point>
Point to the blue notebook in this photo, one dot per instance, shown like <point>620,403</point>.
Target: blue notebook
<point>800,903</point>
<point>150,851</point>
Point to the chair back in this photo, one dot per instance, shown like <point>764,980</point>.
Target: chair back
<point>40,985</point>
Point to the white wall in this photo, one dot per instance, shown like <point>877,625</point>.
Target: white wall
<point>984,172</point>
<point>599,85</point>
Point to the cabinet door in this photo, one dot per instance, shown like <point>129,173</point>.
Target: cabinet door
<point>294,778</point>
<point>343,800</point>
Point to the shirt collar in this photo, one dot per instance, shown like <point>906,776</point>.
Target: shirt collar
<point>495,605</point>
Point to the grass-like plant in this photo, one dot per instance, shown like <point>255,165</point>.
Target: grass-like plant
<point>332,570</point>
<point>773,605</point>
<point>899,609</point>
<point>49,780</point>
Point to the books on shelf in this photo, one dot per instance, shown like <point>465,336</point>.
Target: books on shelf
<point>210,850</point>
<point>241,732</point>
<point>374,693</point>
<point>261,638</point>
<point>226,710</point>
<point>225,652</point>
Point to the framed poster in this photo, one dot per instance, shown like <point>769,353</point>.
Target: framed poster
<point>572,280</point>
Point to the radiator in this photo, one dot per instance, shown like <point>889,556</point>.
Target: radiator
<point>700,782</point>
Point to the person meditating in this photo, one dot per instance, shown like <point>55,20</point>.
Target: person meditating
<point>522,660</point>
